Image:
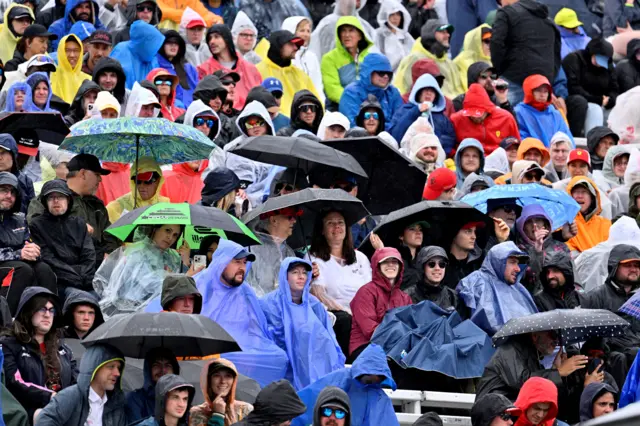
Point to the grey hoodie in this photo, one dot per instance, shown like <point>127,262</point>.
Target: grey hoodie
<point>335,396</point>
<point>166,384</point>
<point>551,174</point>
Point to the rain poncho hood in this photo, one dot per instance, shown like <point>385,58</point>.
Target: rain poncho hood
<point>254,108</point>
<point>275,404</point>
<point>606,179</point>
<point>304,332</point>
<point>369,404</point>
<point>62,26</point>
<point>551,174</point>
<point>329,395</point>
<point>330,119</point>
<point>592,228</point>
<point>468,143</point>
<point>92,360</point>
<point>428,81</point>
<point>66,80</point>
<point>33,80</point>
<point>77,110</point>
<point>589,395</point>
<point>300,98</point>
<point>76,298</point>
<point>423,140</point>
<point>8,40</point>
<point>175,286</point>
<point>238,311</point>
<point>394,42</point>
<point>140,96</point>
<point>473,179</point>
<point>490,298</point>
<point>166,384</point>
<point>27,105</point>
<point>471,52</point>
<point>593,139</point>
<point>198,107</point>
<point>537,390</point>
<point>520,168</point>
<point>533,143</point>
<point>243,23</point>
<point>169,110</point>
<point>530,212</point>
<point>110,64</point>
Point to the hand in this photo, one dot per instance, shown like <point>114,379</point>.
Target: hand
<point>194,270</point>
<point>89,229</point>
<point>559,103</point>
<point>567,366</point>
<point>185,253</point>
<point>624,29</point>
<point>53,394</point>
<point>539,233</point>
<point>596,377</point>
<point>424,107</point>
<point>375,241</point>
<point>569,231</point>
<point>605,100</point>
<point>30,251</point>
<point>315,271</point>
<point>242,194</point>
<point>501,229</point>
<point>219,406</point>
<point>217,20</point>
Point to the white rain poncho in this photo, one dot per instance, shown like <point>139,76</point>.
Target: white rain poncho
<point>194,56</point>
<point>140,96</point>
<point>620,196</point>
<point>242,23</point>
<point>394,45</point>
<point>263,276</point>
<point>421,125</point>
<point>497,161</point>
<point>625,116</point>
<point>606,178</point>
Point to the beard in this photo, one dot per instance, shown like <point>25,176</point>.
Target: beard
<point>234,280</point>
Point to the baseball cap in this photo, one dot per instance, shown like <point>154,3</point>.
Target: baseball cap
<point>439,180</point>
<point>196,22</point>
<point>473,224</point>
<point>281,37</point>
<point>392,256</point>
<point>106,100</point>
<point>222,75</point>
<point>490,406</point>
<point>27,141</point>
<point>244,254</point>
<point>18,12</point>
<point>567,18</point>
<point>534,167</point>
<point>101,37</point>
<point>87,162</point>
<point>603,61</point>
<point>42,61</point>
<point>579,154</point>
<point>486,33</point>
<point>445,27</point>
<point>508,142</point>
<point>272,84</point>
<point>294,264</point>
<point>37,30</point>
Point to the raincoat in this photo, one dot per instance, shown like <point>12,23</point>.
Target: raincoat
<point>472,180</point>
<point>358,91</point>
<point>268,16</point>
<point>27,104</point>
<point>182,184</point>
<point>195,55</point>
<point>394,43</point>
<point>140,96</point>
<point>25,185</point>
<point>115,184</point>
<point>526,145</point>
<point>125,204</point>
<point>410,112</point>
<point>276,404</point>
<point>304,332</point>
<point>66,81</point>
<point>551,173</point>
<point>296,123</point>
<point>369,404</point>
<point>592,392</point>
<point>264,275</point>
<point>422,140</point>
<point>138,55</point>
<point>329,396</point>
<point>120,91</point>
<point>240,24</point>
<point>461,175</point>
<point>62,26</point>
<point>33,80</point>
<point>605,179</point>
<point>428,66</point>
<point>238,311</point>
<point>471,52</point>
<point>564,297</point>
<point>235,410</point>
<point>571,42</point>
<point>79,298</point>
<point>620,196</point>
<point>173,11</point>
<point>624,117</point>
<point>592,228</point>
<point>443,296</point>
<point>166,384</point>
<point>8,40</point>
<point>249,74</point>
<point>374,299</point>
<point>490,298</point>
<point>497,126</point>
<point>180,67</point>
<point>539,120</point>
<point>169,110</point>
<point>537,390</point>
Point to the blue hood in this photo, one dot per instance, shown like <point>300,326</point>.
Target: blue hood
<point>424,81</point>
<point>528,212</point>
<point>28,96</point>
<point>283,283</point>
<point>72,4</point>
<point>496,260</point>
<point>466,143</point>
<point>33,80</point>
<point>82,29</point>
<point>373,360</point>
<point>146,41</point>
<point>7,141</point>
<point>94,358</point>
<point>373,62</point>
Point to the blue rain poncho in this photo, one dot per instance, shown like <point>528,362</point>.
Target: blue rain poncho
<point>33,80</point>
<point>27,106</point>
<point>490,298</point>
<point>370,405</point>
<point>304,331</point>
<point>238,311</point>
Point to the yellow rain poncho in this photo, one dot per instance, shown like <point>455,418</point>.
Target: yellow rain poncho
<point>66,81</point>
<point>471,52</point>
<point>125,204</point>
<point>8,41</point>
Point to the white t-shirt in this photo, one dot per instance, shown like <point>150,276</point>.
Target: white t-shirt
<point>96,408</point>
<point>341,282</point>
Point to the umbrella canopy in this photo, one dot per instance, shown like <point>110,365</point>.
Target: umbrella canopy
<point>394,180</point>
<point>443,217</point>
<point>199,221</point>
<point>559,205</point>
<point>297,153</point>
<point>632,306</point>
<point>573,325</point>
<point>50,127</point>
<point>123,140</point>
<point>629,415</point>
<point>186,335</point>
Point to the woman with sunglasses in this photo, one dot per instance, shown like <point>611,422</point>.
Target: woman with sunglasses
<point>431,264</point>
<point>37,365</point>
<point>166,85</point>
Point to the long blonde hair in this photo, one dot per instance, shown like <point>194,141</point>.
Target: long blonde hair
<point>227,201</point>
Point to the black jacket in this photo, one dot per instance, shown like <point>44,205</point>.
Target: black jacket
<point>441,295</point>
<point>110,64</point>
<point>616,14</point>
<point>458,269</point>
<point>131,15</point>
<point>588,80</point>
<point>525,41</point>
<point>300,98</point>
<point>371,102</point>
<point>13,229</point>
<point>419,17</point>
<point>77,110</point>
<point>565,297</point>
<point>275,404</point>
<point>628,70</point>
<point>50,15</point>
<point>593,139</point>
<point>208,88</point>
<point>12,64</point>
<point>75,298</point>
<point>65,243</point>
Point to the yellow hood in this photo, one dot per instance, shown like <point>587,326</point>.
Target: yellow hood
<point>66,81</point>
<point>8,41</point>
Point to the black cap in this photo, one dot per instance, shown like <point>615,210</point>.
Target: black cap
<point>244,254</point>
<point>20,11</point>
<point>224,76</point>
<point>37,30</point>
<point>87,162</point>
<point>100,37</point>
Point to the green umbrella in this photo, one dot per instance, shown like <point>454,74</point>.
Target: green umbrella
<point>199,221</point>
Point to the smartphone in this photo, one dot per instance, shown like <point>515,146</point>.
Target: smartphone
<point>593,364</point>
<point>89,107</point>
<point>199,260</point>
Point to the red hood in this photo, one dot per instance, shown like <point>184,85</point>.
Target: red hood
<point>378,278</point>
<point>161,71</point>
<point>533,82</point>
<point>535,390</point>
<point>424,66</point>
<point>184,169</point>
<point>477,98</point>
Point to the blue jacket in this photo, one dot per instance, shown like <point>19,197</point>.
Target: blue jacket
<point>33,80</point>
<point>410,112</point>
<point>356,92</point>
<point>183,96</point>
<point>62,26</point>
<point>466,143</point>
<point>540,124</point>
<point>572,41</point>
<point>25,185</point>
<point>370,406</point>
<point>138,55</point>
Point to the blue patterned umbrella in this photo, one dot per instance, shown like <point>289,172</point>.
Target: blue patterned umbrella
<point>123,140</point>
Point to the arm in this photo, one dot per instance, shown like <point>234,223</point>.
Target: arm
<point>321,293</point>
<point>402,120</point>
<point>446,133</point>
<point>349,105</point>
<point>87,263</point>
<point>631,13</point>
<point>34,396</point>
<point>52,415</point>
<point>499,38</point>
<point>614,90</point>
<point>209,17</point>
<point>330,79</point>
<point>396,105</point>
<point>64,271</point>
<point>364,312</point>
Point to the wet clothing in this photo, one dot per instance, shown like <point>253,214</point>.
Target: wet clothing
<point>438,293</point>
<point>593,139</point>
<point>208,88</point>
<point>74,299</point>
<point>182,184</point>
<point>120,91</point>
<point>8,39</point>
<point>179,66</point>
<point>590,394</point>
<point>394,42</point>
<point>302,97</point>
<point>537,390</point>
<point>66,81</point>
<point>62,26</point>
<point>131,14</point>
<point>268,16</point>
<point>264,274</point>
<point>592,228</point>
<point>460,173</point>
<point>169,110</point>
<point>471,53</point>
<point>564,297</point>
<point>332,396</point>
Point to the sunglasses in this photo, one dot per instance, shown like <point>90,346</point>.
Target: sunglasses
<point>328,411</point>
<point>285,187</point>
<point>370,115</point>
<point>506,417</point>
<point>441,264</point>
<point>502,87</point>
<point>277,94</point>
<point>384,74</point>
<point>208,121</point>
<point>508,209</point>
<point>486,41</point>
<point>151,181</point>
<point>255,123</point>
<point>308,108</point>
<point>144,8</point>
<point>491,76</point>
<point>228,83</point>
<point>165,82</point>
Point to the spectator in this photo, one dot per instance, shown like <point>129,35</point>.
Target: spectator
<point>85,96</point>
<point>171,57</point>
<point>245,38</point>
<point>141,403</point>
<point>99,380</point>
<point>109,75</point>
<point>428,66</point>
<point>17,18</point>
<point>68,77</point>
<point>538,400</point>
<point>494,409</point>
<point>137,10</point>
<point>506,209</point>
<point>392,37</point>
<point>174,397</point>
<point>592,228</point>
<point>107,106</point>
<point>619,17</point>
<point>476,49</point>
<point>536,116</point>
<point>597,400</point>
<point>9,163</point>
<point>334,125</point>
<point>599,140</point>
<point>426,151</point>
<point>469,159</point>
<point>592,85</point>
<point>34,41</point>
<point>465,17</point>
<point>179,294</point>
<point>615,164</point>
<point>81,314</point>
<point>172,11</point>
<point>526,171</point>
<point>572,35</point>
<point>558,285</point>
<point>229,81</point>
<point>532,150</point>
<point>166,85</point>
<point>578,164</point>
<point>269,17</point>
<point>192,28</point>
<point>332,407</point>
<point>475,183</point>
<point>37,365</point>
<point>485,75</point>
<point>220,188</point>
<point>41,91</point>
<point>276,404</point>
<point>19,98</point>
<point>559,147</point>
<point>213,94</point>
<point>524,42</point>
<point>464,254</point>
<point>628,70</point>
<point>493,295</point>
<point>372,119</point>
<point>480,119</point>
<point>306,114</point>
<point>75,10</point>
<point>98,46</point>
<point>431,264</point>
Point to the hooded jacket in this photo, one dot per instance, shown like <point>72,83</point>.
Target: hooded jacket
<point>77,111</point>
<point>606,179</point>
<point>394,43</point>
<point>62,26</point>
<point>9,40</point>
<point>166,384</point>
<point>526,145</point>
<point>131,15</point>
<point>268,16</point>
<point>208,88</point>
<point>66,81</point>
<point>473,73</point>
<point>471,53</point>
<point>472,180</point>
<point>126,203</point>
<point>275,404</point>
<point>331,395</point>
<point>169,110</point>
<point>14,232</point>
<point>47,13</point>
<point>137,56</point>
<point>27,104</point>
<point>141,95</point>
<point>565,297</point>
<point>74,299</point>
<point>120,90</point>
<point>33,80</point>
<point>592,228</point>
<point>71,406</point>
<point>371,103</point>
<point>590,394</point>
<point>438,293</point>
<point>179,66</point>
<point>410,112</point>
<point>570,41</point>
<point>539,120</point>
<point>173,9</point>
<point>65,244</point>
<point>537,390</point>
<point>422,140</point>
<point>249,74</point>
<point>25,185</point>
<point>498,125</point>
<point>551,174</point>
<point>303,97</point>
<point>427,66</point>
<point>491,300</point>
<point>218,183</point>
<point>240,24</point>
<point>374,299</point>
<point>180,286</point>
<point>195,54</point>
<point>339,68</point>
<point>305,59</point>
<point>468,143</point>
<point>593,139</point>
<point>628,70</point>
<point>182,184</point>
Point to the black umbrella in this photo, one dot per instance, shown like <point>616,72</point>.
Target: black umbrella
<point>444,218</point>
<point>573,325</point>
<point>298,153</point>
<point>186,335</point>
<point>394,180</point>
<point>50,127</point>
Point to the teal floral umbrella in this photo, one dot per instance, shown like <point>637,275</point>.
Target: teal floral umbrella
<point>124,140</point>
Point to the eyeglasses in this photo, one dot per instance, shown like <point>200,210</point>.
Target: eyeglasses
<point>370,115</point>
<point>208,121</point>
<point>44,310</point>
<point>253,123</point>
<point>7,191</point>
<point>441,264</point>
<point>56,197</point>
<point>308,108</point>
<point>144,8</point>
<point>165,82</point>
<point>328,411</point>
<point>245,35</point>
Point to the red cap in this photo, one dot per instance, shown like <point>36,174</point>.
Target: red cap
<point>144,176</point>
<point>579,154</point>
<point>473,225</point>
<point>287,211</point>
<point>439,180</point>
<point>196,23</point>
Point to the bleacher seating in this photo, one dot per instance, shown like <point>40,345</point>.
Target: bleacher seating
<point>411,403</point>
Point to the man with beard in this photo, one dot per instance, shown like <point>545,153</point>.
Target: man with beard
<point>75,10</point>
<point>558,290</point>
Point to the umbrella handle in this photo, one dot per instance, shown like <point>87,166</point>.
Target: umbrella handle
<point>135,194</point>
